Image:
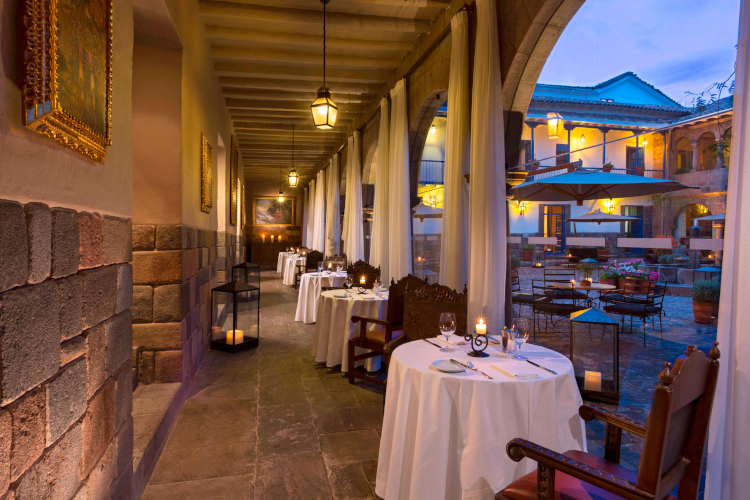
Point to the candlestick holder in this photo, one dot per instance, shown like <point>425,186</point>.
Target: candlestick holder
<point>478,345</point>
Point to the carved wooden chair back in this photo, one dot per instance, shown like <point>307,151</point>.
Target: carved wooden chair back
<point>313,257</point>
<point>397,295</point>
<point>423,306</point>
<point>361,268</point>
<point>677,428</point>
<point>336,260</point>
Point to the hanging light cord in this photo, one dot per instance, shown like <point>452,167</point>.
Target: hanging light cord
<point>324,42</point>
<point>292,146</point>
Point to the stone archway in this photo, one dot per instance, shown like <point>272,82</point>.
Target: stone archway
<point>419,127</point>
<point>370,164</point>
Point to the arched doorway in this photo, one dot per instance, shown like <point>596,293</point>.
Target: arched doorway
<point>686,220</point>
<point>684,156</point>
<point>707,149</point>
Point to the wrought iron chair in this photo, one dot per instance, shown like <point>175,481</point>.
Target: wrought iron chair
<point>640,301</point>
<point>547,303</point>
<point>673,447</point>
<point>563,276</point>
<point>518,297</point>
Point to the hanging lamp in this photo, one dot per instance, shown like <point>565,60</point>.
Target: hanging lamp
<point>323,109</point>
<point>293,178</point>
<point>281,191</point>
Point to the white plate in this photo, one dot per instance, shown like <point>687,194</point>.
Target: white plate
<point>445,365</point>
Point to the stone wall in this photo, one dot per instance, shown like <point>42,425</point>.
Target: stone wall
<point>66,428</point>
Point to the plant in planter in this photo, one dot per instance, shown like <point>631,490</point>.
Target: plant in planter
<point>602,253</point>
<point>666,259</point>
<point>705,301</point>
<point>515,263</point>
<point>607,167</point>
<point>534,165</point>
<point>527,252</point>
<point>639,170</point>
<point>586,269</point>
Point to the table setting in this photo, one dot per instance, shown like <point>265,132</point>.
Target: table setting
<point>453,403</point>
<point>310,288</point>
<point>283,257</point>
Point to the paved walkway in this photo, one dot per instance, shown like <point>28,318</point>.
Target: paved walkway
<point>271,423</point>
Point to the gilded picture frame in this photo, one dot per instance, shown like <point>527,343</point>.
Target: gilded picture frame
<point>207,175</point>
<point>243,209</point>
<point>268,211</point>
<point>67,97</point>
<point>234,157</point>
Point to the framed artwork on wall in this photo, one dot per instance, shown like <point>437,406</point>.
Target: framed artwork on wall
<point>67,60</point>
<point>207,175</point>
<point>234,159</point>
<point>269,211</point>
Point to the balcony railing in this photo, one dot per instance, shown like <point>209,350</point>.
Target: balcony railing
<point>653,174</point>
<point>432,172</point>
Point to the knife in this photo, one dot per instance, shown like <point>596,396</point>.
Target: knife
<point>470,368</point>
<point>432,343</point>
<point>543,368</point>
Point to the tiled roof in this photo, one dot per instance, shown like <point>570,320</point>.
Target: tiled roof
<point>725,103</point>
<point>654,107</point>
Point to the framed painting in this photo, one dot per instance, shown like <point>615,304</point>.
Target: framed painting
<point>234,157</point>
<point>269,211</point>
<point>207,175</point>
<point>67,60</point>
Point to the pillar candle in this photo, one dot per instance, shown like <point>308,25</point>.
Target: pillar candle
<point>592,381</point>
<point>481,327</point>
<point>271,238</point>
<point>362,280</point>
<point>237,335</point>
<point>263,238</point>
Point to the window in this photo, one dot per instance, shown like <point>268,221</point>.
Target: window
<point>684,156</point>
<point>560,149</point>
<point>634,228</point>
<point>554,225</point>
<point>607,100</point>
<point>630,158</point>
<point>526,154</point>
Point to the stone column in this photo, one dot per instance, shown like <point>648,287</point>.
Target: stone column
<point>695,155</point>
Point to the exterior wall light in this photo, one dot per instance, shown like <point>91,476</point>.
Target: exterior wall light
<point>433,129</point>
<point>555,125</point>
<point>582,140</point>
<point>609,205</point>
<point>521,207</point>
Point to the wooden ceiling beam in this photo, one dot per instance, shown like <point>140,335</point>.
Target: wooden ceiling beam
<point>314,74</point>
<point>237,103</point>
<point>278,126</point>
<point>283,147</point>
<point>300,58</point>
<point>442,4</point>
<point>290,96</point>
<point>337,88</point>
<point>265,14</point>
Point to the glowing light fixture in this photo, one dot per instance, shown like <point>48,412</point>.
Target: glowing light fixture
<point>644,143</point>
<point>433,129</point>
<point>609,205</point>
<point>521,205</point>
<point>293,178</point>
<point>555,125</point>
<point>324,110</point>
<point>281,191</point>
<point>582,140</point>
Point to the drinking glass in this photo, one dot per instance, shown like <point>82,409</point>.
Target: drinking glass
<point>349,281</point>
<point>447,328</point>
<point>376,285</point>
<point>521,335</point>
<point>320,267</point>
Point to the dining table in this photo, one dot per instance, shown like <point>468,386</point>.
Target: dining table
<point>310,287</point>
<point>283,256</point>
<point>444,435</point>
<point>333,326</point>
<point>290,269</point>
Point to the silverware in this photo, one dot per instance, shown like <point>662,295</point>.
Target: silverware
<point>540,366</point>
<point>470,366</point>
<point>431,343</point>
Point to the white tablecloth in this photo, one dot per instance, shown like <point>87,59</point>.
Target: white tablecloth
<point>283,256</point>
<point>334,328</point>
<point>309,292</point>
<point>444,435</point>
<point>290,267</point>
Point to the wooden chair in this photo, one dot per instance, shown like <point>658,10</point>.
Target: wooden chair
<point>673,447</point>
<point>336,260</point>
<point>361,268</point>
<point>391,327</point>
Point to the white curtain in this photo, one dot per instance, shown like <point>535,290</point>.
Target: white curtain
<point>487,251</point>
<point>379,239</point>
<point>727,476</point>
<point>333,224</point>
<point>354,240</point>
<point>454,246</point>
<point>305,216</point>
<point>310,213</point>
<point>319,230</point>
<point>399,209</point>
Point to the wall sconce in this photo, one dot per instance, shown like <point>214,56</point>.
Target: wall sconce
<point>582,140</point>
<point>555,125</point>
<point>609,206</point>
<point>433,129</point>
<point>521,207</point>
<point>644,143</point>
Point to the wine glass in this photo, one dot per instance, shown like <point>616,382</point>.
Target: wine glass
<point>520,335</point>
<point>349,281</point>
<point>447,328</point>
<point>320,267</point>
<point>376,285</point>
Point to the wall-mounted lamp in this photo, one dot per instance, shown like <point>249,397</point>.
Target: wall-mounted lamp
<point>609,205</point>
<point>433,129</point>
<point>644,143</point>
<point>555,125</point>
<point>521,207</point>
<point>582,140</point>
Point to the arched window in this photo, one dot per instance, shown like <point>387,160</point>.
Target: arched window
<point>707,149</point>
<point>684,152</point>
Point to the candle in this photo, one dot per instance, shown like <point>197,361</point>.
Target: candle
<point>362,280</point>
<point>329,265</point>
<point>263,238</point>
<point>481,327</point>
<point>279,238</point>
<point>237,335</point>
<point>271,238</point>
<point>592,381</point>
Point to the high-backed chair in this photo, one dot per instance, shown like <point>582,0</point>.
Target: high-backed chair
<point>310,264</point>
<point>335,260</point>
<point>361,268</point>
<point>390,327</point>
<point>673,447</point>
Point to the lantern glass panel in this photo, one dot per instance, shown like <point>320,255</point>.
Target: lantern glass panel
<point>538,259</point>
<point>247,273</point>
<point>594,352</point>
<point>235,317</point>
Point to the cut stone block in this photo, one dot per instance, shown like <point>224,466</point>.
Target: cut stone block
<point>14,248</point>
<point>29,338</point>
<point>157,268</point>
<point>65,244</point>
<point>98,426</point>
<point>39,235</point>
<point>117,240</point>
<point>119,342</point>
<point>99,295</point>
<point>167,366</point>
<point>72,349</point>
<point>190,266</point>
<point>66,399</point>
<point>146,368</point>
<point>158,335</point>
<point>168,237</point>
<point>143,237</point>
<point>124,288</point>
<point>95,359</point>
<point>167,303</point>
<point>90,240</point>
<point>6,438</point>
<point>125,445</point>
<point>28,420</point>
<point>123,396</point>
<point>70,290</point>
<point>143,303</point>
<point>103,474</point>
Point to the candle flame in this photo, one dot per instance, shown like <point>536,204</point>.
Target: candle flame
<point>481,321</point>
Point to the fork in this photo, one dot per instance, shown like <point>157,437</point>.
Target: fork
<point>471,365</point>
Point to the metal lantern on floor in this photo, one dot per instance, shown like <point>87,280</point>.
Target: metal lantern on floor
<point>538,259</point>
<point>595,354</point>
<point>235,317</point>
<point>247,273</point>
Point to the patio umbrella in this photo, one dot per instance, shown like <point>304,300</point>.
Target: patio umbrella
<point>598,216</point>
<point>713,217</point>
<point>584,185</point>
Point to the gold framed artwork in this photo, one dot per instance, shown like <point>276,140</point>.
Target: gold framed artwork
<point>242,205</point>
<point>207,175</point>
<point>234,157</point>
<point>269,211</point>
<point>67,60</point>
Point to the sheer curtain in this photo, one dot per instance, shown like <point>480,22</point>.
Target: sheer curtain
<point>305,216</point>
<point>399,209</point>
<point>454,242</point>
<point>380,233</point>
<point>354,240</point>
<point>487,251</point>
<point>319,230</point>
<point>310,213</point>
<point>727,477</point>
<point>333,224</point>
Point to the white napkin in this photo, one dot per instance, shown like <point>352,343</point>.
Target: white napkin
<point>452,340</point>
<point>514,374</point>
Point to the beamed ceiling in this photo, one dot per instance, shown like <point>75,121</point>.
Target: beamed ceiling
<point>268,55</point>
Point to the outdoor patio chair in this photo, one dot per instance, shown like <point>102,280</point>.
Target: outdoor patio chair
<point>563,276</point>
<point>633,290</point>
<point>518,297</point>
<point>643,306</point>
<point>548,304</point>
<point>673,447</point>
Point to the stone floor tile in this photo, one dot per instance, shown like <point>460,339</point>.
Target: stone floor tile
<point>187,464</point>
<point>292,477</point>
<point>314,384</point>
<point>224,488</point>
<point>362,418</point>
<point>370,469</point>
<point>281,391</point>
<point>368,394</point>
<point>346,447</point>
<point>286,429</point>
<point>320,401</point>
<point>349,482</point>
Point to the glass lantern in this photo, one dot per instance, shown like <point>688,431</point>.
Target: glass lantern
<point>247,273</point>
<point>235,317</point>
<point>595,354</point>
<point>538,259</point>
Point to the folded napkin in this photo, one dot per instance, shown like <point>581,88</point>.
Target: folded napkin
<point>452,340</point>
<point>514,373</point>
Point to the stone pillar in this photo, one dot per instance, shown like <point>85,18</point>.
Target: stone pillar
<point>695,155</point>
<point>719,231</point>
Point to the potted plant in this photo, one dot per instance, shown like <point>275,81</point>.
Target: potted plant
<point>639,171</point>
<point>610,275</point>
<point>607,167</point>
<point>527,252</point>
<point>571,168</point>
<point>515,263</point>
<point>705,301</point>
<point>586,269</point>
<point>534,165</point>
<point>602,253</point>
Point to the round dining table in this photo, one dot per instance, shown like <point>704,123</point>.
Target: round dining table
<point>444,434</point>
<point>333,326</point>
<point>290,268</point>
<point>310,288</point>
<point>283,256</point>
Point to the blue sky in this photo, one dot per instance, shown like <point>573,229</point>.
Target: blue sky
<point>676,45</point>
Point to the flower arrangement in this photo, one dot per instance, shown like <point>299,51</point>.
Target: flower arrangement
<point>624,269</point>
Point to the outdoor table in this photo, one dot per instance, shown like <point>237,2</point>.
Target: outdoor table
<point>594,287</point>
<point>310,288</point>
<point>283,256</point>
<point>333,327</point>
<point>290,268</point>
<point>444,435</point>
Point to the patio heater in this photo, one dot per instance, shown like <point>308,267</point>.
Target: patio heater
<point>538,259</point>
<point>235,317</point>
<point>247,273</point>
<point>595,354</point>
